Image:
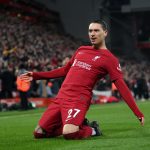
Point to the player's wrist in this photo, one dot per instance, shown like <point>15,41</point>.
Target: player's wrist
<point>140,115</point>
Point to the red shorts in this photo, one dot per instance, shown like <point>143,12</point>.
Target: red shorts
<point>62,111</point>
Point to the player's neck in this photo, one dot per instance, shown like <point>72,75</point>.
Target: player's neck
<point>100,46</point>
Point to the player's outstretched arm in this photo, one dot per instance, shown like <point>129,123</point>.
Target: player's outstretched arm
<point>128,98</point>
<point>56,73</point>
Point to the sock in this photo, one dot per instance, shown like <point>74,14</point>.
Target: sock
<point>93,131</point>
<point>84,132</point>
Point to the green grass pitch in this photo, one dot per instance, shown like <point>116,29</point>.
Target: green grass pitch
<point>120,127</point>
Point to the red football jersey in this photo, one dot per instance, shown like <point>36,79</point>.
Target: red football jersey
<point>82,72</point>
<point>86,67</point>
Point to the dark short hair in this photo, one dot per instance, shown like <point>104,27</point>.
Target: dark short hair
<point>102,22</point>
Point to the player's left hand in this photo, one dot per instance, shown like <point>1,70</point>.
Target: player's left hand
<point>142,121</point>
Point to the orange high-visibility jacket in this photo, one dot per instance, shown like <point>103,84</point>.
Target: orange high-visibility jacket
<point>22,85</point>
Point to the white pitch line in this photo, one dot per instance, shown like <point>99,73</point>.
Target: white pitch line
<point>14,116</point>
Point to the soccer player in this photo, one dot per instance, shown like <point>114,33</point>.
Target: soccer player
<point>65,115</point>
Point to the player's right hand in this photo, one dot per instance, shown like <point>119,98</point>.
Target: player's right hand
<point>27,77</point>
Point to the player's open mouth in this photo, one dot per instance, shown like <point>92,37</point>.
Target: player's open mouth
<point>93,39</point>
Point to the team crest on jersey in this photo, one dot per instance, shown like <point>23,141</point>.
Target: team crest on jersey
<point>95,58</point>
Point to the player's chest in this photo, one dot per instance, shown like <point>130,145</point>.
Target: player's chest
<point>92,59</point>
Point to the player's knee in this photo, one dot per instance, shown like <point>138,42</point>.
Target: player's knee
<point>38,132</point>
<point>38,135</point>
<point>70,131</point>
<point>70,128</point>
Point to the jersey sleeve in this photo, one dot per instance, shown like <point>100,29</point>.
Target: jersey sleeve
<point>128,98</point>
<point>113,68</point>
<point>56,73</point>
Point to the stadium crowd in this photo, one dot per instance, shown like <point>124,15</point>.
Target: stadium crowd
<point>40,46</point>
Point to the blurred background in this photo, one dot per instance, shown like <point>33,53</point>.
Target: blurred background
<point>41,35</point>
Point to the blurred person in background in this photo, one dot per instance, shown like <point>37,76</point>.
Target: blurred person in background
<point>142,88</point>
<point>23,89</point>
<point>8,79</point>
<point>49,85</point>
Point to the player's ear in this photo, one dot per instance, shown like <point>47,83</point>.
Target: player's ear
<point>105,33</point>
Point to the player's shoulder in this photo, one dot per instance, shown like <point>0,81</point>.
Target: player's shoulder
<point>110,54</point>
<point>110,57</point>
<point>85,47</point>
